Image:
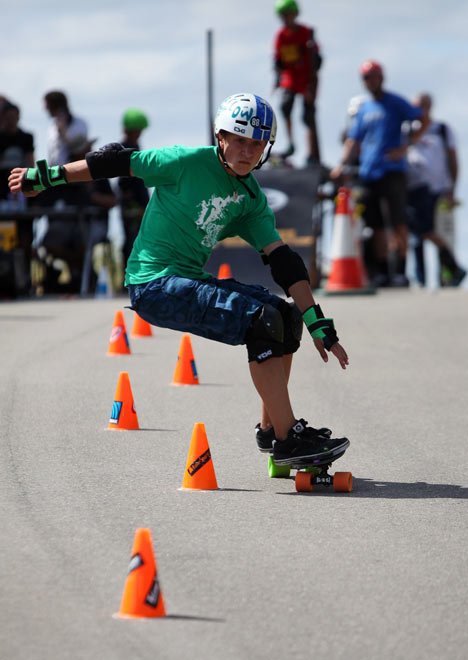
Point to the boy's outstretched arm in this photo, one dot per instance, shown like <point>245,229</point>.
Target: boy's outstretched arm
<point>28,180</point>
<point>289,271</point>
<point>110,161</point>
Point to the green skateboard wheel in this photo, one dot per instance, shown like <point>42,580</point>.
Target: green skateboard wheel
<point>277,471</point>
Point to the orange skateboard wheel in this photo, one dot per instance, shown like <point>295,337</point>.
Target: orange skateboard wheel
<point>343,482</point>
<point>304,482</point>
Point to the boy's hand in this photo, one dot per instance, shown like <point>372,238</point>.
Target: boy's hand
<point>15,179</point>
<point>337,350</point>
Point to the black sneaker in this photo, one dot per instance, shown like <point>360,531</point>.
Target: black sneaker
<point>265,438</point>
<point>457,277</point>
<point>289,151</point>
<point>303,443</point>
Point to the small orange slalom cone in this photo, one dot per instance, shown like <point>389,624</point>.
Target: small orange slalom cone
<point>142,597</point>
<point>224,272</point>
<point>118,342</point>
<point>140,327</point>
<point>123,415</point>
<point>186,371</point>
<point>199,472</point>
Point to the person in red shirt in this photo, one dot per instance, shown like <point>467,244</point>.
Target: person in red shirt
<point>297,61</point>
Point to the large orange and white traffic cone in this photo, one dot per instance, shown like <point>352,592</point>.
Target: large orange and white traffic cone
<point>347,272</point>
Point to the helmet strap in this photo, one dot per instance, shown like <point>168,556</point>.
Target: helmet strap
<point>264,160</point>
<point>237,176</point>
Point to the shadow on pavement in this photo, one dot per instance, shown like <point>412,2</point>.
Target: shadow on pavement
<point>394,490</point>
<point>188,617</point>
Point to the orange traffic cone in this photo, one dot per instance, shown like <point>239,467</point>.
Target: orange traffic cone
<point>118,342</point>
<point>142,597</point>
<point>185,372</point>
<point>224,272</point>
<point>347,272</point>
<point>123,415</point>
<point>199,472</point>
<point>140,327</point>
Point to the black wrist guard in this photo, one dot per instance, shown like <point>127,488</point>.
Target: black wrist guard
<point>287,267</point>
<point>42,176</point>
<point>320,327</point>
<point>109,161</point>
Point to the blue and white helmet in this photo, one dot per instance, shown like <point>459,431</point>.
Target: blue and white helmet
<point>248,115</point>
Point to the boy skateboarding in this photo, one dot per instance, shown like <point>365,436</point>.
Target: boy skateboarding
<point>203,195</point>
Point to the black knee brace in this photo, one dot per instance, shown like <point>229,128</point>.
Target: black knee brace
<point>265,335</point>
<point>293,326</point>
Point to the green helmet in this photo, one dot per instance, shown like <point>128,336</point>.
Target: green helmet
<point>282,6</point>
<point>134,120</point>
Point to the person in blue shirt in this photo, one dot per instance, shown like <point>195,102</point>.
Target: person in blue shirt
<point>376,134</point>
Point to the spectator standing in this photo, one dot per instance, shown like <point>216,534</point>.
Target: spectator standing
<point>432,177</point>
<point>16,146</point>
<point>132,192</point>
<point>16,150</point>
<point>376,133</point>
<point>66,131</point>
<point>297,62</point>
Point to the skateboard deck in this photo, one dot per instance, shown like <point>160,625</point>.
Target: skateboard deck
<point>314,473</point>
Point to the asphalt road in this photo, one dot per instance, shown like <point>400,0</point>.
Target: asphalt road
<point>253,570</point>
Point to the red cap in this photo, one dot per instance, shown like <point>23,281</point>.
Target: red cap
<point>370,66</point>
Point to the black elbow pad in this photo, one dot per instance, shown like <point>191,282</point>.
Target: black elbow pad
<point>109,161</point>
<point>287,267</point>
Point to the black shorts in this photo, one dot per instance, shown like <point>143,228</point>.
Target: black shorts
<point>385,201</point>
<point>421,207</point>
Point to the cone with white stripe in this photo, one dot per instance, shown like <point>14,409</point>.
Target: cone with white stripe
<point>347,272</point>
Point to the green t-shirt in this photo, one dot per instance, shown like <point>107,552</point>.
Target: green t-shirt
<point>194,205</point>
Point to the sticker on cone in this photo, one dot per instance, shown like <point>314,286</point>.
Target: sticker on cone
<point>186,371</point>
<point>142,597</point>
<point>118,342</point>
<point>123,414</point>
<point>199,471</point>
<point>140,327</point>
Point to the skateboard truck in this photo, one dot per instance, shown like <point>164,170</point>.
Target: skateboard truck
<point>342,482</point>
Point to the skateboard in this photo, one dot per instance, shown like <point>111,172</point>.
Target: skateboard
<point>314,473</point>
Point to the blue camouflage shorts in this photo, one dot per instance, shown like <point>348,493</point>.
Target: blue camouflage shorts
<point>216,309</point>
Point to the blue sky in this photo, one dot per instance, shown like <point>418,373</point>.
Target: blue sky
<point>108,55</point>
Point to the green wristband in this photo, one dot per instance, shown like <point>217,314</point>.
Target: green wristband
<point>41,177</point>
<point>320,327</point>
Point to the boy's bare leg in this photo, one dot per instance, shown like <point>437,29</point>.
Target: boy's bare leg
<point>265,421</point>
<point>271,383</point>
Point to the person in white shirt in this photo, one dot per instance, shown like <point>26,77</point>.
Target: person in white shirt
<point>65,131</point>
<point>432,175</point>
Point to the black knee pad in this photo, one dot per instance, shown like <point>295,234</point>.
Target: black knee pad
<point>264,337</point>
<point>293,326</point>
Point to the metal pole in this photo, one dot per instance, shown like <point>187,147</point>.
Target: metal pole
<point>209,53</point>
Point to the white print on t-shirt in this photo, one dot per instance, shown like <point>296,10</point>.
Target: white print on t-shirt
<point>211,215</point>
